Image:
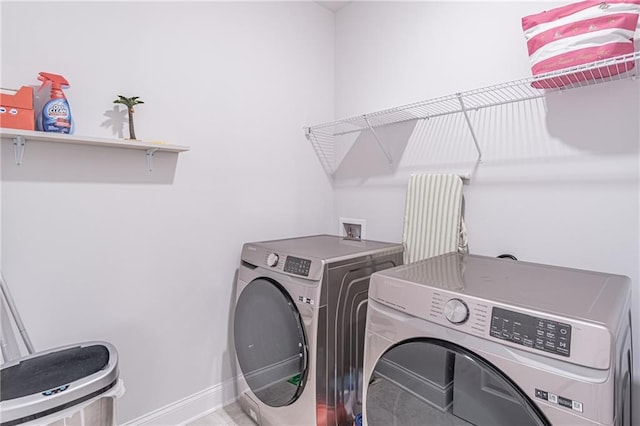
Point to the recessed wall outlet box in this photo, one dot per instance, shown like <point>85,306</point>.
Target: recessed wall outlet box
<point>352,229</point>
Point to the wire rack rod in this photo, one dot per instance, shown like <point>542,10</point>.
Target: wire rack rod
<point>618,68</point>
<point>322,136</point>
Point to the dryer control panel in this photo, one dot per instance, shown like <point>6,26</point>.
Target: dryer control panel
<point>308,268</point>
<point>526,330</point>
<point>297,265</point>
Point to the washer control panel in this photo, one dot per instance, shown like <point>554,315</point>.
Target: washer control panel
<point>539,333</point>
<point>297,265</point>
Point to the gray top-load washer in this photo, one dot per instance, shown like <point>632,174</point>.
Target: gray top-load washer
<point>467,339</point>
<point>299,326</point>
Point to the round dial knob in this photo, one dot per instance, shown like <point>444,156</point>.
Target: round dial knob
<point>272,259</point>
<point>456,311</point>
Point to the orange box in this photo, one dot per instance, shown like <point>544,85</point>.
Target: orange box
<point>16,108</point>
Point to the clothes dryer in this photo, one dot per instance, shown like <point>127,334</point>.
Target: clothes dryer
<point>299,326</point>
<point>464,339</point>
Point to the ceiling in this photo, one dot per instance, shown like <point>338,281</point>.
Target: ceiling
<point>333,6</point>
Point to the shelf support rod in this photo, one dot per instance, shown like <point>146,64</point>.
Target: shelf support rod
<point>18,148</point>
<point>384,151</point>
<point>149,153</point>
<point>466,117</point>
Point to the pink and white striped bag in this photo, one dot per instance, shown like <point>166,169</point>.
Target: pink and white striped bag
<point>581,33</point>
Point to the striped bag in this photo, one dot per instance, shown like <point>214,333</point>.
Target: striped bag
<point>578,34</point>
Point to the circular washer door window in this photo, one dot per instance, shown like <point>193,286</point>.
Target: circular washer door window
<point>433,382</point>
<point>270,342</point>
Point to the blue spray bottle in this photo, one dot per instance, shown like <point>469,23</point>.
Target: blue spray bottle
<point>56,113</point>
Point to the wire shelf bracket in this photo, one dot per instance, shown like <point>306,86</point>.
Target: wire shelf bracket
<point>149,154</point>
<point>373,132</point>
<point>19,143</point>
<point>473,133</point>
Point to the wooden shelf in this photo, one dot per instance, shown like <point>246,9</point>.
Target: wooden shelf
<point>21,137</point>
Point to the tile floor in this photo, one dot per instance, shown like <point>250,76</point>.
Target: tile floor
<point>229,415</point>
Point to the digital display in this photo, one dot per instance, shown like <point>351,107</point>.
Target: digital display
<point>298,266</point>
<point>543,334</point>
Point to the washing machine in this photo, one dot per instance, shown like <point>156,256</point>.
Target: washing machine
<point>472,340</point>
<point>299,327</point>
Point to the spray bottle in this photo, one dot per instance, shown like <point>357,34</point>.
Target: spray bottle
<point>56,113</point>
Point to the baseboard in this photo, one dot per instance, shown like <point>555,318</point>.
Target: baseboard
<point>190,408</point>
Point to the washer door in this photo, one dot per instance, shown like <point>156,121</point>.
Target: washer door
<point>270,342</point>
<point>433,382</point>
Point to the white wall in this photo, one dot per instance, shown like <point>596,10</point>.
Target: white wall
<point>559,179</point>
<point>0,213</point>
<point>96,247</point>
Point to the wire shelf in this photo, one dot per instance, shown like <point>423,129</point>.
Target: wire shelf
<point>322,136</point>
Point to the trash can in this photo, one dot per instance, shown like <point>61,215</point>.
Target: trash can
<point>80,379</point>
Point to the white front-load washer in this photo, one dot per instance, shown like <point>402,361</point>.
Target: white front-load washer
<point>299,327</point>
<point>464,339</point>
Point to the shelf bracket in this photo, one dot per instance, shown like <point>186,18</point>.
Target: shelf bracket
<point>384,151</point>
<point>149,153</point>
<point>466,117</point>
<point>18,148</point>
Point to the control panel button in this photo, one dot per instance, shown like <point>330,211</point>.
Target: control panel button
<point>456,311</point>
<point>272,259</point>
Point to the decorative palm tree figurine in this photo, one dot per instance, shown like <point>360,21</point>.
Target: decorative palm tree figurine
<point>129,102</point>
